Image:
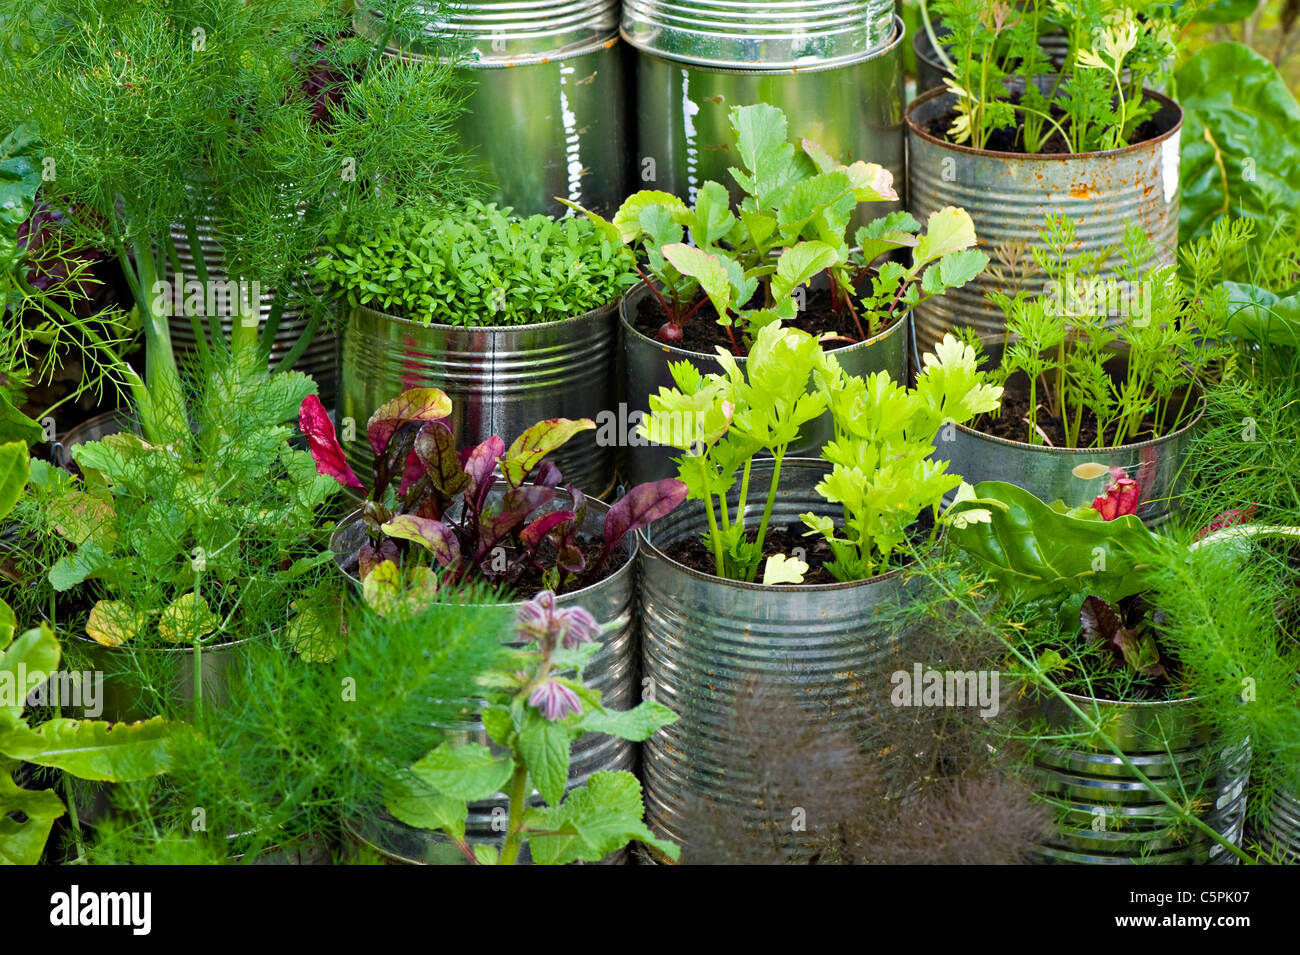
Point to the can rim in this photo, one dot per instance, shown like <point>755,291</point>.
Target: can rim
<point>780,67</point>
<point>914,129</point>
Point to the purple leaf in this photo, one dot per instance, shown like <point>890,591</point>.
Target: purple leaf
<point>436,536</point>
<point>548,475</point>
<point>437,452</point>
<point>571,559</point>
<point>533,535</point>
<point>323,442</point>
<point>536,443</point>
<point>515,507</point>
<point>417,404</point>
<point>412,471</point>
<point>1102,624</point>
<point>479,465</point>
<point>640,506</point>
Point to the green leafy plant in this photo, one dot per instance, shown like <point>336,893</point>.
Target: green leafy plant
<point>943,258</point>
<point>266,119</point>
<point>44,291</point>
<point>1168,332</point>
<point>1241,132</point>
<point>534,707</point>
<point>724,419</point>
<point>477,266</point>
<point>791,224</point>
<point>192,546</point>
<point>884,435</point>
<point>89,749</point>
<point>1010,96</point>
<point>882,471</point>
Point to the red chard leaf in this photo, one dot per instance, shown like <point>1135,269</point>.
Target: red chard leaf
<point>323,442</point>
<point>439,539</point>
<point>417,404</point>
<point>436,449</point>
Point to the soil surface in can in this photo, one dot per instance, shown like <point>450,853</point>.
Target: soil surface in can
<point>692,552</point>
<point>1013,423</point>
<point>1011,140</point>
<point>703,334</point>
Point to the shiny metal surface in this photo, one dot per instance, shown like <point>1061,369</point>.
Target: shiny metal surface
<point>647,372</point>
<point>1281,836</point>
<point>544,120</point>
<point>1008,195</point>
<point>139,683</point>
<point>501,381</point>
<point>773,34</point>
<point>1048,473</point>
<point>498,32</point>
<point>1109,817</point>
<point>708,642</point>
<point>684,135</point>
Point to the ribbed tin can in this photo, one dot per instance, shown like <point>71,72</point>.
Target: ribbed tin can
<point>684,135</point>
<point>709,642</point>
<point>1281,836</point>
<point>501,381</point>
<point>647,371</point>
<point>1049,473</point>
<point>320,360</point>
<point>143,683</point>
<point>546,114</point>
<point>613,671</point>
<point>774,34</point>
<point>497,30</point>
<point>1108,816</point>
<point>1009,195</point>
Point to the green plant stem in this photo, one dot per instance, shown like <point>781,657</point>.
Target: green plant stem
<point>518,783</point>
<point>777,457</point>
<point>714,536</point>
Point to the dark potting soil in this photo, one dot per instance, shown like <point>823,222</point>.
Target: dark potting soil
<point>1013,425</point>
<point>1008,140</point>
<point>703,334</point>
<point>692,552</point>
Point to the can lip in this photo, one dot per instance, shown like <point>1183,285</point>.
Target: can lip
<point>914,129</point>
<point>685,353</point>
<point>647,549</point>
<point>779,67</point>
<point>592,316</point>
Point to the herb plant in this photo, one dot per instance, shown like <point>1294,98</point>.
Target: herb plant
<point>192,546</point>
<point>153,113</point>
<point>1171,332</point>
<point>89,749</point>
<point>535,706</point>
<point>49,322</point>
<point>882,471</point>
<point>790,225</point>
<point>477,266</point>
<point>443,502</point>
<point>1005,83</point>
<point>884,436</point>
